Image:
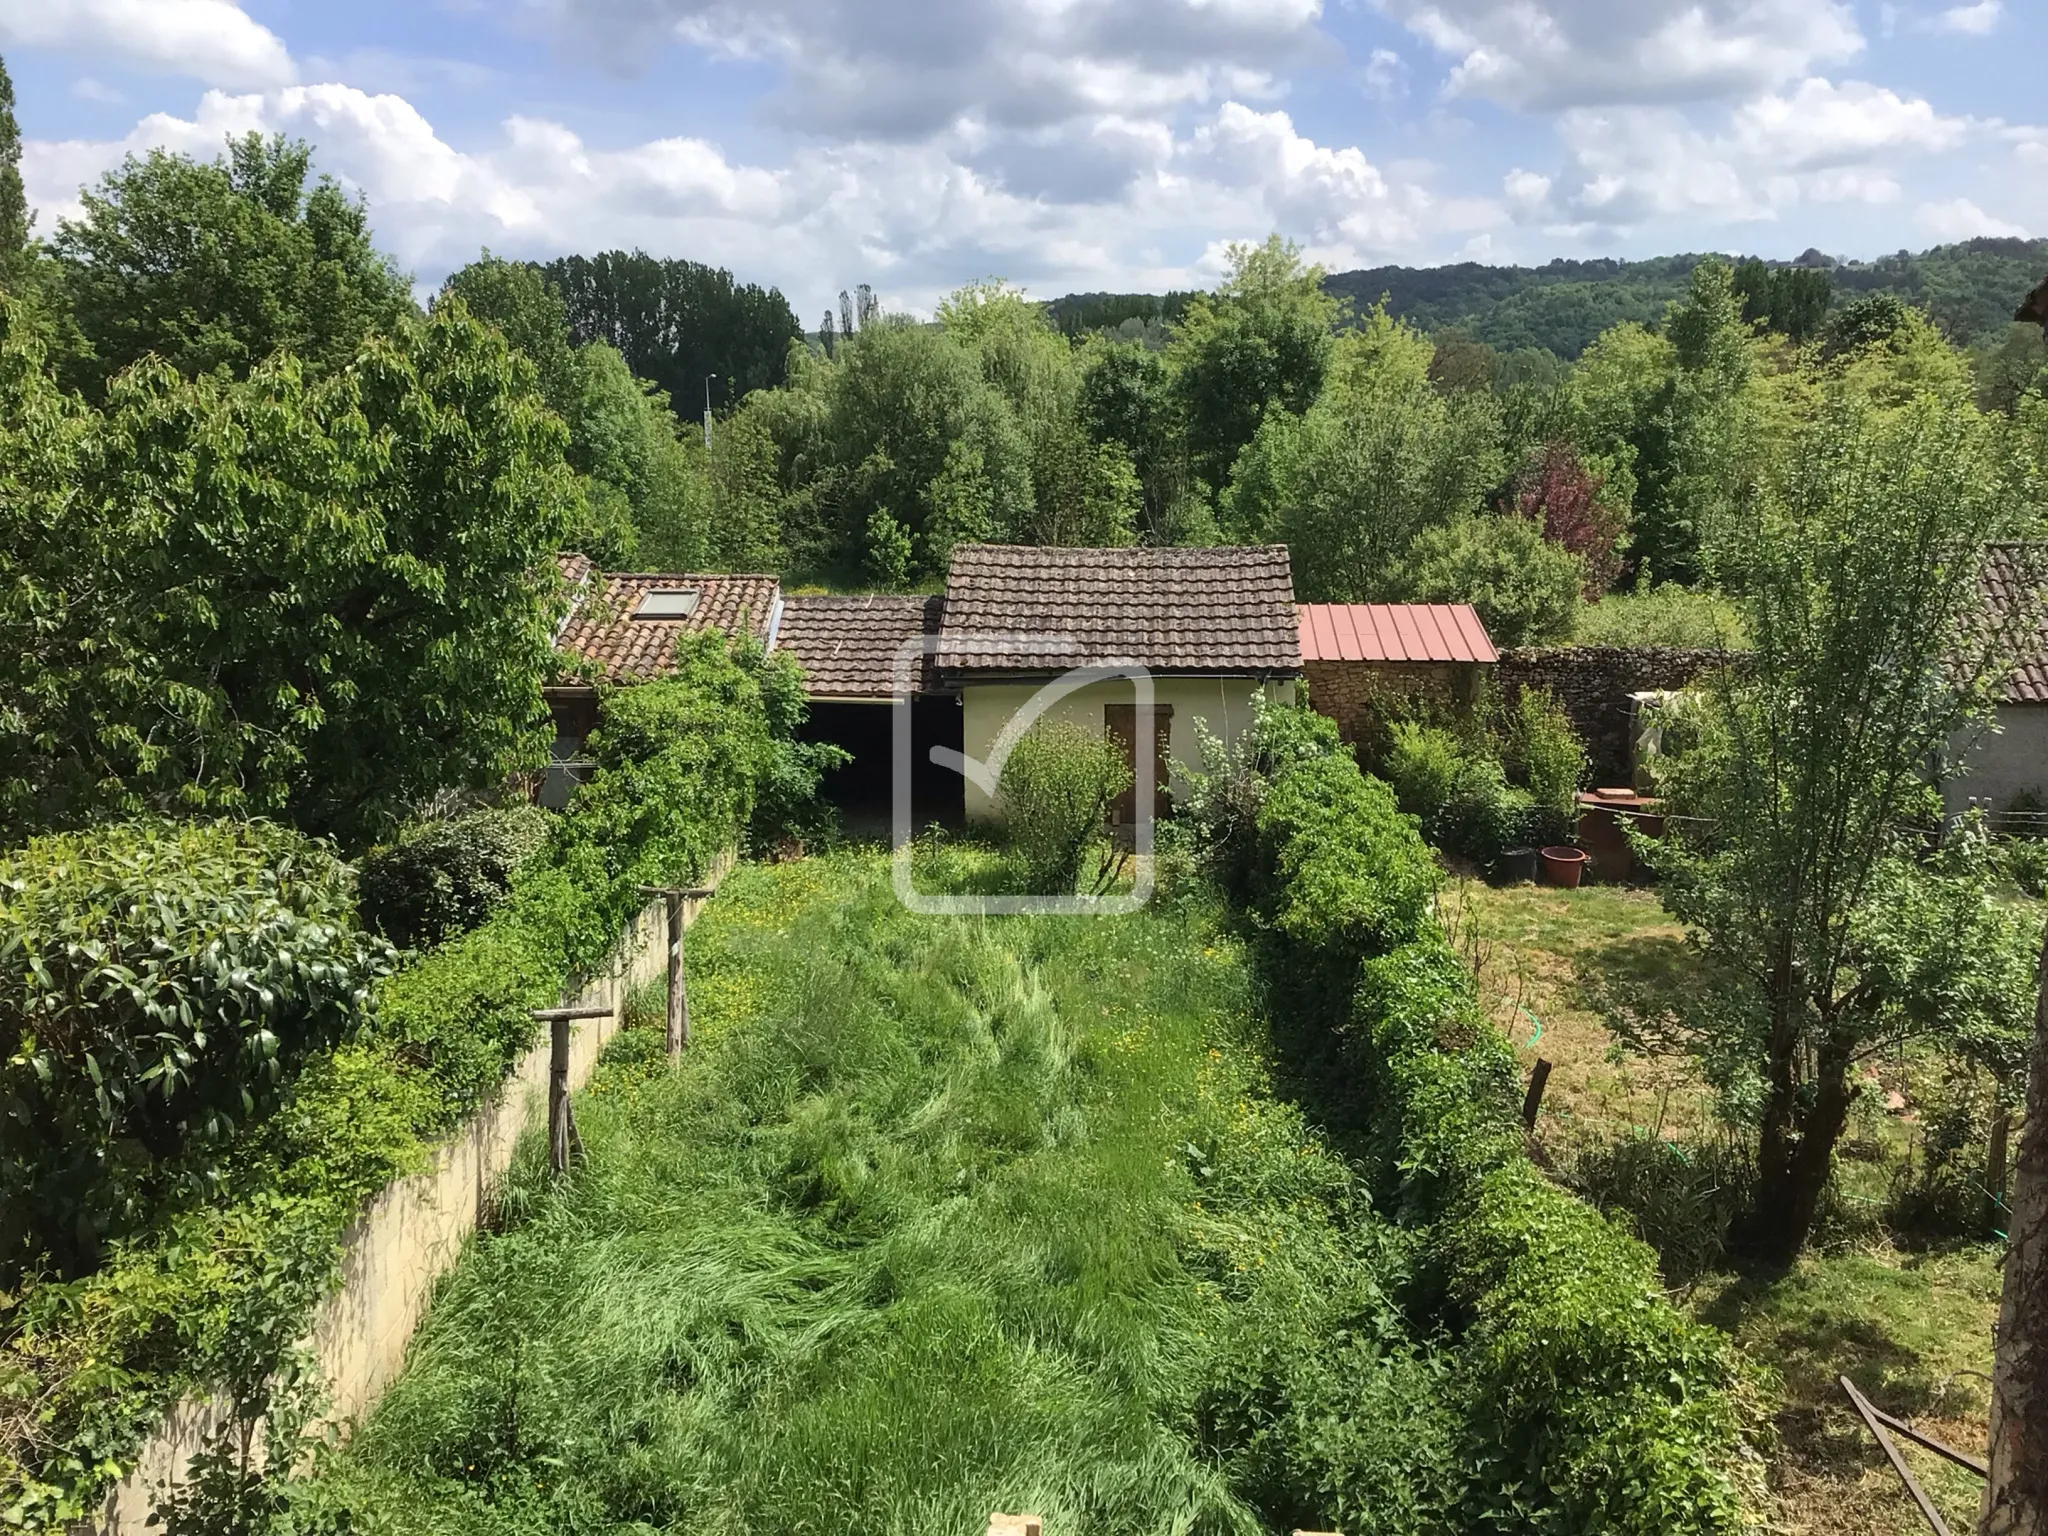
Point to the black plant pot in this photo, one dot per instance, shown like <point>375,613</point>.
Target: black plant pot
<point>1515,865</point>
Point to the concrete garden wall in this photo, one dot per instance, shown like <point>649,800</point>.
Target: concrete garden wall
<point>413,1232</point>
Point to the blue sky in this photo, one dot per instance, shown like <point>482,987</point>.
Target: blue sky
<point>1075,144</point>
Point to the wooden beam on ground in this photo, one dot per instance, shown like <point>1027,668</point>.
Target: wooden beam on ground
<point>1870,1422</point>
<point>1015,1525</point>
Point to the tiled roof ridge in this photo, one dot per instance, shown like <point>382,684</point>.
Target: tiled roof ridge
<point>2008,562</point>
<point>1211,609</point>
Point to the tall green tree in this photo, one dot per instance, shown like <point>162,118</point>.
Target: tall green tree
<point>1382,455</point>
<point>217,267</point>
<point>1083,492</point>
<point>899,404</point>
<point>1524,587</point>
<point>14,212</point>
<point>679,322</point>
<point>530,314</point>
<point>1824,936</point>
<point>644,492</point>
<point>1258,345</point>
<point>315,598</point>
<point>1793,302</point>
<point>1124,399</point>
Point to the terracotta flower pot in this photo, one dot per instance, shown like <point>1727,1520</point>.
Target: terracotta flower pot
<point>1564,866</point>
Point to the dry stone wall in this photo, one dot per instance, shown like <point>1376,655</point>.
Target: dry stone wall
<point>1593,683</point>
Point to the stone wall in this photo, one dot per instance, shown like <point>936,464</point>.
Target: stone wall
<point>413,1231</point>
<point>1593,683</point>
<point>1355,693</point>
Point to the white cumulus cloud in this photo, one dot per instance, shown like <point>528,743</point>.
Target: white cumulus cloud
<point>915,219</point>
<point>1961,219</point>
<point>214,41</point>
<point>1977,20</point>
<point>1821,123</point>
<point>1551,55</point>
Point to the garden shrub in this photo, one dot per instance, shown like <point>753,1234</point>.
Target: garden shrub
<point>214,1289</point>
<point>1589,1402</point>
<point>1595,1401</point>
<point>1423,764</point>
<point>1664,615</point>
<point>159,985</point>
<point>1057,785</point>
<point>446,877</point>
<point>1342,874</point>
<point>1545,753</point>
<point>1458,792</point>
<point>2026,863</point>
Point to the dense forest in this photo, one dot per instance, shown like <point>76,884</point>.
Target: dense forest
<point>1969,290</point>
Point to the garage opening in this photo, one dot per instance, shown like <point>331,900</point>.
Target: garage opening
<point>862,790</point>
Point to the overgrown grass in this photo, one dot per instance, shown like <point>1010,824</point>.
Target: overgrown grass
<point>937,1217</point>
<point>1912,1328</point>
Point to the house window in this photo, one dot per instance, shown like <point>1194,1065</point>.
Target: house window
<point>676,604</point>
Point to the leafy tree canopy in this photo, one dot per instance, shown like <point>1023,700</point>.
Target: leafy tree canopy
<point>678,322</point>
<point>217,267</point>
<point>1827,938</point>
<point>320,598</point>
<point>1258,344</point>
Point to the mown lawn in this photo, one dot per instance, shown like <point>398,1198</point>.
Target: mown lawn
<point>939,1217</point>
<point>1913,1329</point>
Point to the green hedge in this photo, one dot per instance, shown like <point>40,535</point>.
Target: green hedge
<point>216,1289</point>
<point>1590,1403</point>
<point>448,876</point>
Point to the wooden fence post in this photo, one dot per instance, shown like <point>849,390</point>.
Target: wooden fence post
<point>562,1138</point>
<point>1994,1162</point>
<point>1533,1100</point>
<point>678,985</point>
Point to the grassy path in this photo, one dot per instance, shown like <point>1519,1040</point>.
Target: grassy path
<point>939,1217</point>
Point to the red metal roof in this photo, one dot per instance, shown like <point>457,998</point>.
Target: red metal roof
<point>1393,632</point>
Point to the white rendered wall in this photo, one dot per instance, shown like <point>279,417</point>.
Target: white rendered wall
<point>2006,761</point>
<point>1222,704</point>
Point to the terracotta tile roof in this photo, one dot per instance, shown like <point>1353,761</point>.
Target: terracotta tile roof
<point>1228,610</point>
<point>2016,588</point>
<point>574,569</point>
<point>848,645</point>
<point>1394,632</point>
<point>603,629</point>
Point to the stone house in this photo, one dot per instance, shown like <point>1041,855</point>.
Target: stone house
<point>2007,759</point>
<point>1355,656</point>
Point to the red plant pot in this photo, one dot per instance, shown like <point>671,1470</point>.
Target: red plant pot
<point>1564,866</point>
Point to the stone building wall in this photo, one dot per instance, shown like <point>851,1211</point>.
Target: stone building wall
<point>1350,692</point>
<point>1593,683</point>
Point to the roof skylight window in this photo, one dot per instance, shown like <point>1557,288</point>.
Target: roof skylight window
<point>678,603</point>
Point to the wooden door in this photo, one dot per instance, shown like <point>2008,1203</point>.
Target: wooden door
<point>1120,722</point>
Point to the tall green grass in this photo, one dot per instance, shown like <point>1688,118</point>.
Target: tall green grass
<point>938,1217</point>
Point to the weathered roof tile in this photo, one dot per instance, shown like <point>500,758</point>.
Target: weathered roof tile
<point>2016,588</point>
<point>602,628</point>
<point>1015,608</point>
<point>848,646</point>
